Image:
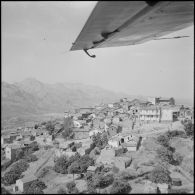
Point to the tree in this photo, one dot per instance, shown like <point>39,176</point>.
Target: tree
<point>10,177</point>
<point>61,165</point>
<point>115,169</point>
<point>31,158</point>
<point>20,166</point>
<point>74,158</point>
<point>61,191</point>
<point>100,140</point>
<point>74,149</point>
<point>163,140</point>
<point>175,133</point>
<point>102,181</point>
<point>71,188</point>
<point>189,128</point>
<point>74,168</point>
<point>50,126</point>
<point>36,126</point>
<point>4,191</point>
<point>127,175</point>
<point>160,174</point>
<point>120,187</point>
<point>177,158</point>
<point>19,154</point>
<point>6,165</point>
<point>165,155</point>
<point>68,128</point>
<point>85,161</point>
<point>36,187</point>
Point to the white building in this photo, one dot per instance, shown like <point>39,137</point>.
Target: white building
<point>150,114</point>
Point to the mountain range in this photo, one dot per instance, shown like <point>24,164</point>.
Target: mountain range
<point>32,97</point>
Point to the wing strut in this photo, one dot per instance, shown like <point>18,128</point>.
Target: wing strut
<point>92,56</point>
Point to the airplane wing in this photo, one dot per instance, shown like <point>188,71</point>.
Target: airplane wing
<point>122,23</point>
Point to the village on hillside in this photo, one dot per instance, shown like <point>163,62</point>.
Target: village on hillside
<point>129,146</point>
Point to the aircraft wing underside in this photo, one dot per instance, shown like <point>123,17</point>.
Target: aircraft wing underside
<point>122,23</point>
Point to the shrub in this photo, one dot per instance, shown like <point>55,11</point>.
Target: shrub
<point>160,175</point>
<point>163,140</point>
<point>31,158</point>
<point>68,128</point>
<point>177,158</point>
<point>71,188</point>
<point>120,187</point>
<point>175,133</point>
<point>43,172</point>
<point>165,155</point>
<point>20,166</point>
<point>61,165</point>
<point>84,162</point>
<point>74,168</point>
<point>87,151</point>
<point>102,181</point>
<point>47,147</point>
<point>35,187</point>
<point>115,169</point>
<point>61,191</point>
<point>10,177</point>
<point>19,154</point>
<point>4,191</point>
<point>50,126</point>
<point>6,165</point>
<point>189,128</point>
<point>74,149</point>
<point>127,175</point>
<point>100,140</point>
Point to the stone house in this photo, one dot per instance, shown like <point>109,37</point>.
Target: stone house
<point>5,140</point>
<point>10,151</point>
<point>81,133</point>
<point>169,113</point>
<point>23,184</point>
<point>92,169</point>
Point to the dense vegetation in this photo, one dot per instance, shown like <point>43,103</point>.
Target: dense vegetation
<point>35,187</point>
<point>15,172</point>
<point>160,174</point>
<point>75,164</point>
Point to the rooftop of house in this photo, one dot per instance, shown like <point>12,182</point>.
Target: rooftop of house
<point>91,168</point>
<point>5,136</point>
<point>175,175</point>
<point>130,144</point>
<point>14,146</point>
<point>28,179</point>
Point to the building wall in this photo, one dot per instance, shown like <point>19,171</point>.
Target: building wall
<point>132,148</point>
<point>10,153</point>
<point>152,115</point>
<point>113,143</point>
<point>166,115</point>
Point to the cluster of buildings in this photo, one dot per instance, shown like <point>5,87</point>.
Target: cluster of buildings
<point>126,115</point>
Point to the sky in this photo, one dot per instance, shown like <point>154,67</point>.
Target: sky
<point>37,37</point>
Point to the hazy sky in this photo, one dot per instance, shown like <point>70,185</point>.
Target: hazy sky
<point>37,36</point>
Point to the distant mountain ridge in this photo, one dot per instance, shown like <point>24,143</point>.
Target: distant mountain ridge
<point>34,97</point>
